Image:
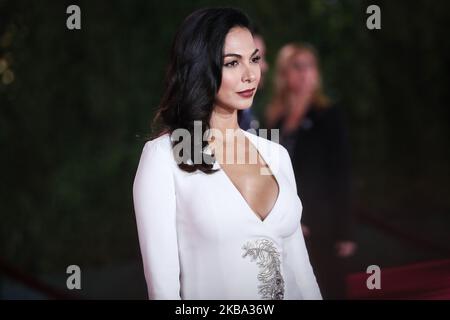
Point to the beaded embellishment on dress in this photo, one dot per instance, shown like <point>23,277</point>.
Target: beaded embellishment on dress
<point>264,252</point>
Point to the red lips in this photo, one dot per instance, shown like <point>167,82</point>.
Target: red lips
<point>246,93</point>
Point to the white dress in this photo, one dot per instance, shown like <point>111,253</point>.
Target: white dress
<point>200,239</point>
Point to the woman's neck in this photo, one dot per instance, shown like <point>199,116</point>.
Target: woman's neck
<point>222,120</point>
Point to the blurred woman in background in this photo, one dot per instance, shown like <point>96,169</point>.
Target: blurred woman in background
<point>313,131</point>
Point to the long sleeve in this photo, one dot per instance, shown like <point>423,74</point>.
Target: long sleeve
<point>296,253</point>
<point>155,210</point>
<point>297,258</point>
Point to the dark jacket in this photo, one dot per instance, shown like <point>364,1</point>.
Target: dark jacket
<point>320,153</point>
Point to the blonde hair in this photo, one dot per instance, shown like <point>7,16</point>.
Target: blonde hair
<point>276,107</point>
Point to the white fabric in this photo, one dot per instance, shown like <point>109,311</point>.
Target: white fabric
<point>193,228</point>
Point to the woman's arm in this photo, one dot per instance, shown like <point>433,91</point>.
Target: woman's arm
<point>155,209</point>
<point>339,167</point>
<point>296,253</point>
<point>298,260</point>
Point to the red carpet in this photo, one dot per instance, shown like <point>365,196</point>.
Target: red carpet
<point>425,280</point>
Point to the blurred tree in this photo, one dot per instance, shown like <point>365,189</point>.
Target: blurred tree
<point>75,113</point>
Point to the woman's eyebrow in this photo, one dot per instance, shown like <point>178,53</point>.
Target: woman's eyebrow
<point>238,55</point>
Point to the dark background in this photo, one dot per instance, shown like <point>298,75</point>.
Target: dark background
<point>76,106</point>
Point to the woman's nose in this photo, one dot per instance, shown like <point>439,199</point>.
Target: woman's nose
<point>249,75</point>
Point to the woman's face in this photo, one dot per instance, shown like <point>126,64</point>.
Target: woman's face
<point>240,71</point>
<point>302,75</point>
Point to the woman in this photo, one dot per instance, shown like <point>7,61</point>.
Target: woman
<point>313,131</point>
<point>211,229</point>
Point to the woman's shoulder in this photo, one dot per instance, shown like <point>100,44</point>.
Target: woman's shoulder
<point>262,138</point>
<point>161,142</point>
<point>158,149</point>
<point>333,111</point>
<point>270,149</point>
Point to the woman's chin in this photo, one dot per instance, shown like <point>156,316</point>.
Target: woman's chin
<point>244,105</point>
<point>238,105</point>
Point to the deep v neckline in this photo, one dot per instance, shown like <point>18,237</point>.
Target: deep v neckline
<point>239,193</point>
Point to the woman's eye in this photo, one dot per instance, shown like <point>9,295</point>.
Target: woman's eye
<point>256,59</point>
<point>231,64</point>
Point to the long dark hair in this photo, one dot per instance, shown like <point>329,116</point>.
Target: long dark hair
<point>194,76</point>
